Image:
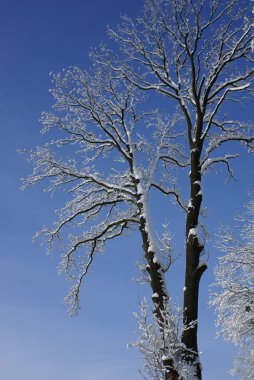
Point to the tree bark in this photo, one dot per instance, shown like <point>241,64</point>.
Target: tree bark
<point>157,283</point>
<point>193,269</point>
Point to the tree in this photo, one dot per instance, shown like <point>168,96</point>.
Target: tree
<point>101,118</point>
<point>234,298</point>
<point>196,54</point>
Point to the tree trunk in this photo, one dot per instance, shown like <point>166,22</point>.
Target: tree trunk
<point>193,269</point>
<point>157,283</point>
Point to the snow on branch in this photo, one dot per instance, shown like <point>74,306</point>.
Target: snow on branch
<point>177,51</point>
<point>233,290</point>
<point>216,160</point>
<point>160,345</point>
<point>102,160</point>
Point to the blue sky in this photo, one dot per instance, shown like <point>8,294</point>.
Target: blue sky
<point>38,339</point>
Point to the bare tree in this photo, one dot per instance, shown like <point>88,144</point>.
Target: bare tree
<point>97,118</point>
<point>198,55</point>
<point>233,296</point>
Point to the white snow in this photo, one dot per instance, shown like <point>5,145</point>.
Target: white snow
<point>239,88</point>
<point>210,161</point>
<point>155,259</point>
<point>193,232</point>
<point>205,165</point>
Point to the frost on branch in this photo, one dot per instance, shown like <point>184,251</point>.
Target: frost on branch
<point>102,160</point>
<point>198,56</point>
<point>160,344</point>
<point>156,344</point>
<point>233,296</point>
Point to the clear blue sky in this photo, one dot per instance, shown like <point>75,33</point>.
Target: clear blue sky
<point>38,340</point>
